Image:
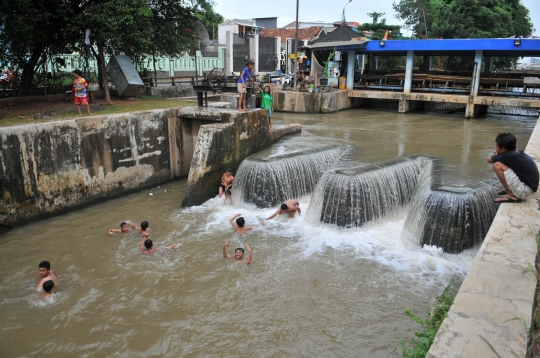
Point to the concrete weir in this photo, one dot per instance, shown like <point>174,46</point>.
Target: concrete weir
<point>49,168</point>
<point>322,102</point>
<point>493,309</point>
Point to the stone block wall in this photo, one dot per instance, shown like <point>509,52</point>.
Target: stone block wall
<point>222,146</point>
<point>49,168</point>
<point>322,102</point>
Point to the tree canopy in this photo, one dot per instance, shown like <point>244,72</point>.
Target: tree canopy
<point>465,18</point>
<point>31,28</point>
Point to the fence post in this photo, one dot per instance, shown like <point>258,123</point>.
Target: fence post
<point>278,53</point>
<point>229,53</point>
<point>256,54</point>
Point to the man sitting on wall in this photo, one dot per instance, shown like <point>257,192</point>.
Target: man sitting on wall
<point>517,172</point>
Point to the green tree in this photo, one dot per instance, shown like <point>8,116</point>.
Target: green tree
<point>465,18</point>
<point>209,18</point>
<point>31,28</point>
<point>375,16</point>
<point>451,19</point>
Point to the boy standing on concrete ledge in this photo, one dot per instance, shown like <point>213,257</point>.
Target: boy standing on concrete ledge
<point>517,172</point>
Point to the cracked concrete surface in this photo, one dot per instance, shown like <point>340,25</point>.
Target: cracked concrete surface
<point>495,302</point>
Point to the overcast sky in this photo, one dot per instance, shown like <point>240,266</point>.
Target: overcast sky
<point>327,11</point>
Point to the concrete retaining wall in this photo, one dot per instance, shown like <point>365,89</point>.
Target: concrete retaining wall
<point>225,146</point>
<point>180,90</point>
<point>495,303</point>
<point>304,102</point>
<point>52,167</point>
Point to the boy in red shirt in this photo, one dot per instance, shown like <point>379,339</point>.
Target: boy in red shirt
<point>80,86</point>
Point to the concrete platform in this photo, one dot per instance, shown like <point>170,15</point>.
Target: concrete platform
<point>493,308</point>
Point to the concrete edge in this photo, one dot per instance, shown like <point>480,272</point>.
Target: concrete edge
<point>493,309</point>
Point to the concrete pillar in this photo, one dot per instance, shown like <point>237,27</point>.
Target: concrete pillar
<point>251,101</point>
<point>408,72</point>
<point>350,70</point>
<point>430,63</point>
<point>278,52</point>
<point>255,56</point>
<point>229,53</point>
<point>406,106</point>
<point>470,110</point>
<point>175,147</point>
<point>362,64</point>
<point>288,50</point>
<point>489,63</point>
<point>476,77</point>
<point>199,62</point>
<point>376,60</point>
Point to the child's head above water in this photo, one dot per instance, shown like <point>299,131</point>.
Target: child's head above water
<point>144,225</point>
<point>148,244</point>
<point>227,192</point>
<point>240,222</point>
<point>48,286</point>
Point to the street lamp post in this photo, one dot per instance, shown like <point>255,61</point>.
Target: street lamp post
<point>296,48</point>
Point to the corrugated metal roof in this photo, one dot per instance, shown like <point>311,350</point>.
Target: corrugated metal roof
<point>344,33</point>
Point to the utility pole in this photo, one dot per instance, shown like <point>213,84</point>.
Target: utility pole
<point>296,48</point>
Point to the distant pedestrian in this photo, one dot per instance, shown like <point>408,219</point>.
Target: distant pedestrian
<point>267,103</point>
<point>244,78</point>
<point>79,86</point>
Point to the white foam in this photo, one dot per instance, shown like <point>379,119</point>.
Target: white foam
<point>379,241</point>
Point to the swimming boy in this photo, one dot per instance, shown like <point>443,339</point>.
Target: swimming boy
<point>47,288</point>
<point>238,253</point>
<point>147,247</point>
<point>517,172</point>
<point>239,224</point>
<point>80,85</point>
<point>228,200</point>
<point>124,228</point>
<point>290,206</point>
<point>144,229</point>
<point>227,180</point>
<point>46,274</point>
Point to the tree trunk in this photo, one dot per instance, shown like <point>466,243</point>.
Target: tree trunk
<point>28,69</point>
<point>103,78</point>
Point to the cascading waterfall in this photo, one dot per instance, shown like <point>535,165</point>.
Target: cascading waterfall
<point>450,218</point>
<point>269,181</point>
<point>351,197</point>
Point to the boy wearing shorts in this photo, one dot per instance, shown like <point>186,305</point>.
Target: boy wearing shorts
<point>517,172</point>
<point>80,86</point>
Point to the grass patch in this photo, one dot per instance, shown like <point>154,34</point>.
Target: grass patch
<point>418,348</point>
<point>45,112</point>
<point>533,347</point>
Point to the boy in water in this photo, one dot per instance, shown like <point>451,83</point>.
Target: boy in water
<point>238,253</point>
<point>80,85</point>
<point>144,229</point>
<point>238,225</point>
<point>47,288</point>
<point>147,247</point>
<point>517,172</point>
<point>290,206</point>
<point>227,180</point>
<point>228,199</point>
<point>124,228</point>
<point>46,274</point>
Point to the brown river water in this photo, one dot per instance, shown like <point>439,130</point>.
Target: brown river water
<point>311,291</point>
